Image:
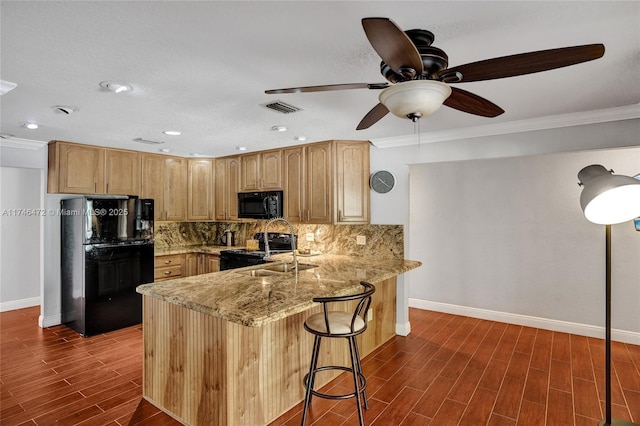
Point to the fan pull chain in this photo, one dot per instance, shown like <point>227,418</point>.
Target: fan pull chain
<point>416,130</point>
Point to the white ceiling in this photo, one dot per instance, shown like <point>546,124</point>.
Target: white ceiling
<point>202,67</point>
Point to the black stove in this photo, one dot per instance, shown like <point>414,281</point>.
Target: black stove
<point>240,258</point>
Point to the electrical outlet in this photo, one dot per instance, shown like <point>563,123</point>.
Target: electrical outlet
<point>370,315</point>
<point>361,240</point>
<point>310,236</point>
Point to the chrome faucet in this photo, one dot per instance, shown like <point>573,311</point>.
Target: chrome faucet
<point>267,255</point>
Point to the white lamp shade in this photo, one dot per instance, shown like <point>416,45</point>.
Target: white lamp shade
<point>608,199</point>
<point>414,96</point>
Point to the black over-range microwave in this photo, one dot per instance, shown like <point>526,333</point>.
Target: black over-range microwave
<point>260,205</point>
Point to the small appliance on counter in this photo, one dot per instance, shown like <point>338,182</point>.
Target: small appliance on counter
<point>240,258</point>
<point>106,252</point>
<point>228,238</point>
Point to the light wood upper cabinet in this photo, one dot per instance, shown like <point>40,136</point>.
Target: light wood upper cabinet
<point>164,179</point>
<point>352,182</point>
<point>75,168</point>
<point>261,171</point>
<point>327,182</point>
<point>294,178</point>
<point>319,183</point>
<point>308,186</point>
<point>122,172</point>
<point>200,189</point>
<point>227,185</point>
<point>85,169</point>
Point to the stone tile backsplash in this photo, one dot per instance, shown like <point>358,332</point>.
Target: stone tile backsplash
<point>383,241</point>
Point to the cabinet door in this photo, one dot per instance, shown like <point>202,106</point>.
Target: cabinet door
<point>227,184</point>
<point>319,185</point>
<point>153,182</point>
<point>200,190</point>
<point>221,191</point>
<point>250,170</point>
<point>81,169</point>
<point>271,169</point>
<point>175,185</point>
<point>191,264</point>
<point>352,182</point>
<point>122,172</point>
<point>212,263</point>
<point>233,186</point>
<point>294,184</point>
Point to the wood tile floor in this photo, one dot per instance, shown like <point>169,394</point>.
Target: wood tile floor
<point>451,370</point>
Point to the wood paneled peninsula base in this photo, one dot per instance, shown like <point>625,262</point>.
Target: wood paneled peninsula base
<point>229,348</point>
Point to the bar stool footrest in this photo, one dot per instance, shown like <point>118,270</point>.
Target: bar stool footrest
<point>362,380</point>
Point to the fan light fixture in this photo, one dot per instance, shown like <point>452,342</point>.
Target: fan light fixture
<point>607,198</point>
<point>415,98</point>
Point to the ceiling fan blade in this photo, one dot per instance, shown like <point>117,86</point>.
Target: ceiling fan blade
<point>372,117</point>
<point>472,103</point>
<point>526,63</point>
<point>394,47</point>
<point>329,87</point>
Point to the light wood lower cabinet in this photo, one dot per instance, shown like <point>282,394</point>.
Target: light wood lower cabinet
<point>169,267</point>
<point>201,263</point>
<point>204,370</point>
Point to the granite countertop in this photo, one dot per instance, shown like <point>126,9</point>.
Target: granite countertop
<point>236,296</point>
<point>193,249</point>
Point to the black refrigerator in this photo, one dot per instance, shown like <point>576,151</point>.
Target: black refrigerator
<point>106,252</point>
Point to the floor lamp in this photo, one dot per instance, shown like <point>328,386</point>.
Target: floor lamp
<point>608,199</point>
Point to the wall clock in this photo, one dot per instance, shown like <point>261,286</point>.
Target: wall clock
<point>382,181</point>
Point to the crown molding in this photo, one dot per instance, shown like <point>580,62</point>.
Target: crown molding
<point>22,143</point>
<point>627,112</point>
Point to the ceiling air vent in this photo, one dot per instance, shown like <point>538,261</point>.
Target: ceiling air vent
<point>281,107</point>
<point>148,141</point>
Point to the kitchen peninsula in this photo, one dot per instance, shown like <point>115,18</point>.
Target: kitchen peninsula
<point>228,348</point>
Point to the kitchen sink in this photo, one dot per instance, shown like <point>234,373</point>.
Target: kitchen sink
<point>281,268</point>
<point>259,273</point>
<point>288,267</point>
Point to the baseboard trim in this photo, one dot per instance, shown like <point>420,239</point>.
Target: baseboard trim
<point>49,321</point>
<point>526,320</point>
<point>403,329</point>
<point>19,304</point>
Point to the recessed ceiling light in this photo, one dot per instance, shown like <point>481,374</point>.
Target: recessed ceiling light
<point>279,128</point>
<point>300,138</point>
<point>30,126</point>
<point>172,132</point>
<point>6,86</point>
<point>241,148</point>
<point>116,87</point>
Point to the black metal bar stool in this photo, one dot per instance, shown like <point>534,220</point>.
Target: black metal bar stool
<point>339,324</point>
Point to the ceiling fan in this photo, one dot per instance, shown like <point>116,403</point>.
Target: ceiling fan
<point>418,75</point>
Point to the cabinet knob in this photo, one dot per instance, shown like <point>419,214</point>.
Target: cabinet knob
<point>167,262</point>
<point>167,272</point>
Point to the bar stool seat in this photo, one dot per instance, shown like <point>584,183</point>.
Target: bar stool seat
<point>339,324</point>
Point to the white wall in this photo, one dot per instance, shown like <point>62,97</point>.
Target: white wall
<point>508,235</point>
<point>20,230</point>
<point>396,206</point>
